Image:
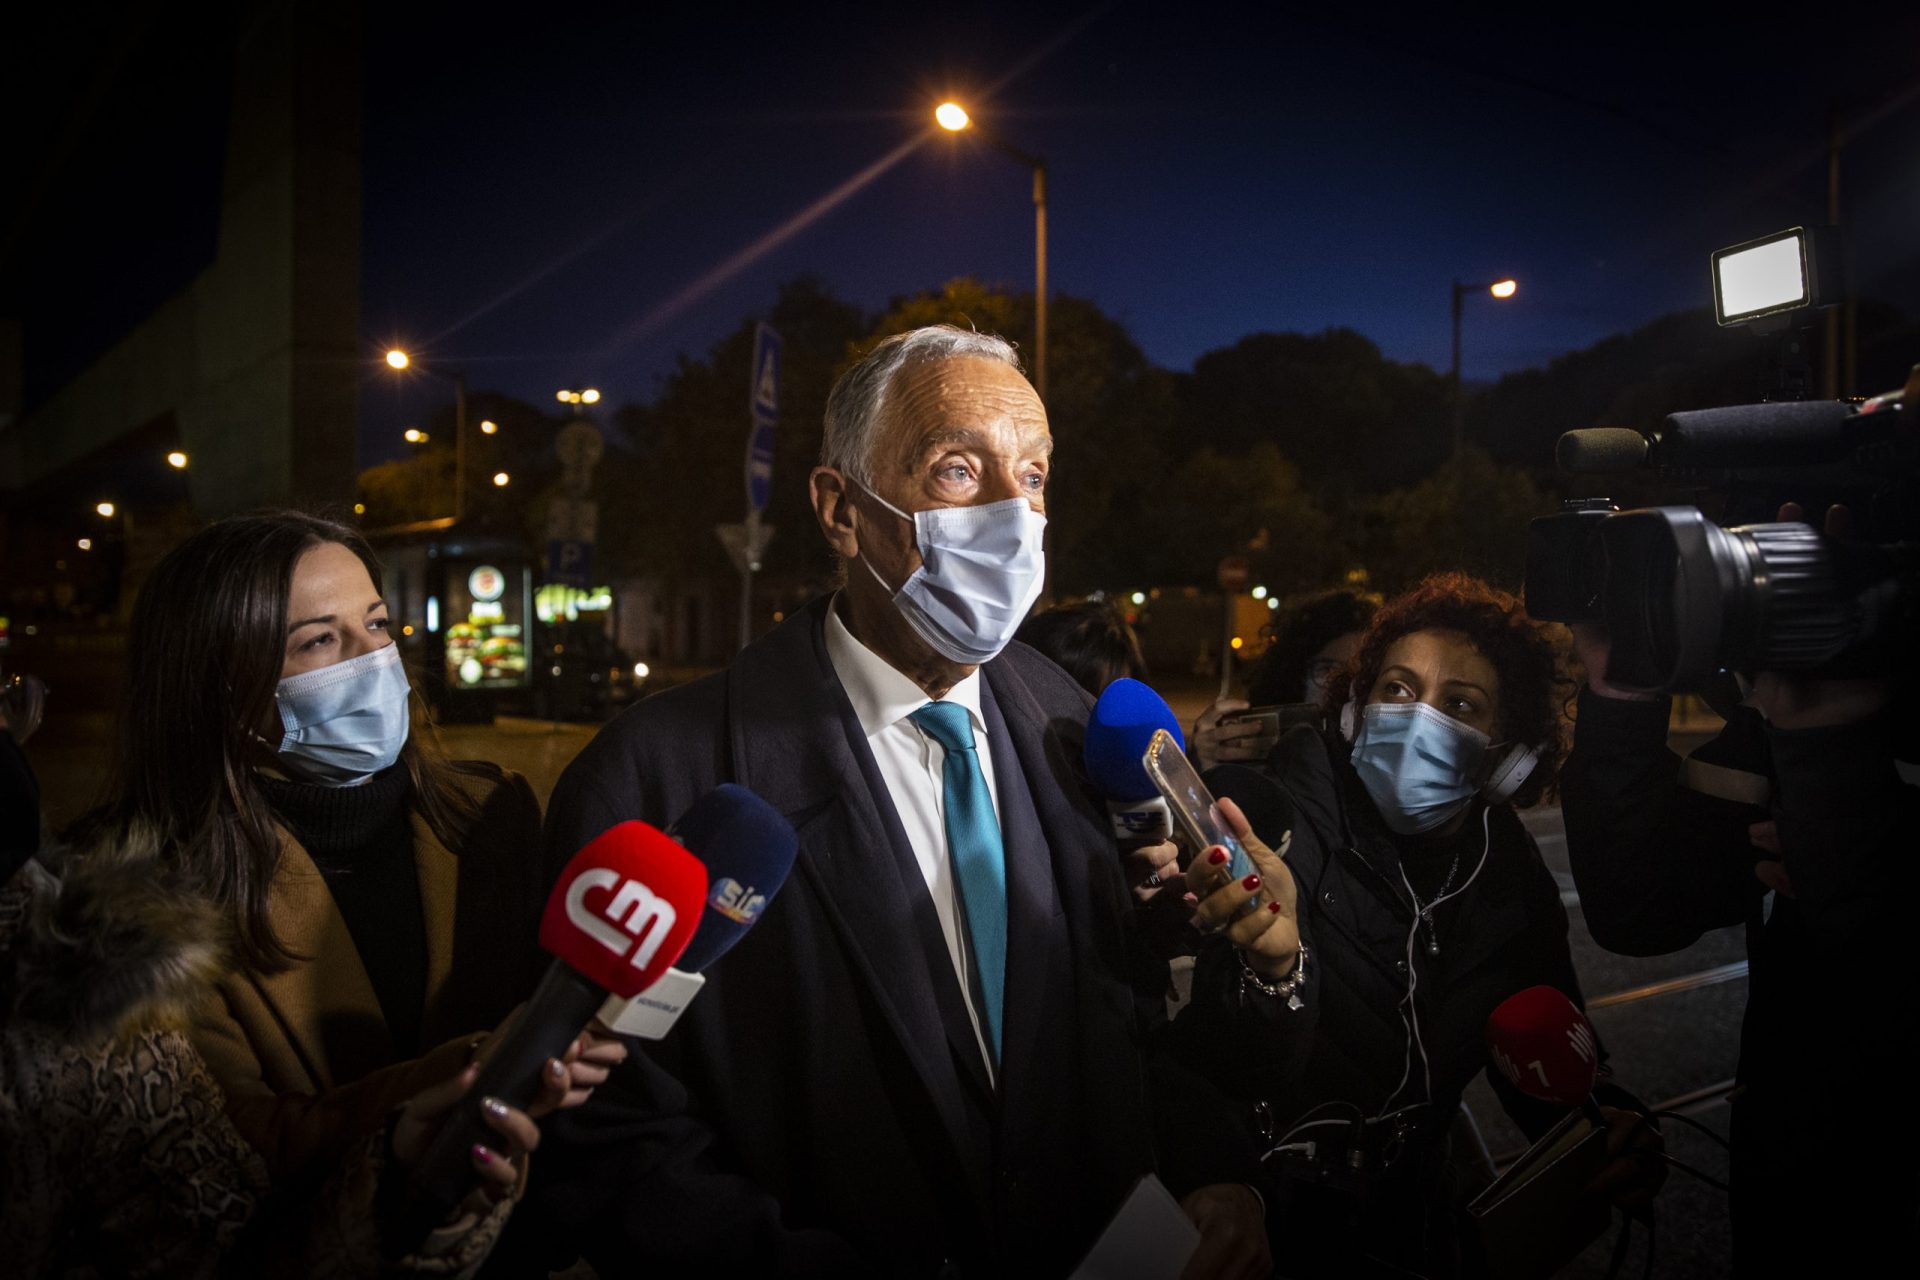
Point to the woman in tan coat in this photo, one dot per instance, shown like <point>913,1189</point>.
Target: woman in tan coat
<point>382,900</point>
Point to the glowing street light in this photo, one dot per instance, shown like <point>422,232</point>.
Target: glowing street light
<point>105,509</point>
<point>85,544</point>
<point>500,479</point>
<point>587,396</point>
<point>177,460</point>
<point>1503,288</point>
<point>488,427</point>
<point>359,508</point>
<point>565,397</point>
<point>953,117</point>
<point>399,361</point>
<point>590,396</point>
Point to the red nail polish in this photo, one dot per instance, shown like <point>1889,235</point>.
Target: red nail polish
<point>1274,907</point>
<point>1218,856</point>
<point>1250,883</point>
<point>481,1154</point>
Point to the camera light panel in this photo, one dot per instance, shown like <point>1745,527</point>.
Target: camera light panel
<point>1762,277</point>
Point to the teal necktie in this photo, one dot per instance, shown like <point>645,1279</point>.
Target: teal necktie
<point>979,859</point>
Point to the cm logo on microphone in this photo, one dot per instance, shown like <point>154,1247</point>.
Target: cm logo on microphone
<point>635,917</point>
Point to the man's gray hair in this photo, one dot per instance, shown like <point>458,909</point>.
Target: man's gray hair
<point>859,397</point>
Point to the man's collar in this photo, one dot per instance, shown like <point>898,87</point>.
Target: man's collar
<point>881,693</point>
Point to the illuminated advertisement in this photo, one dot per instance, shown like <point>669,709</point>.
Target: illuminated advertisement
<point>486,632</point>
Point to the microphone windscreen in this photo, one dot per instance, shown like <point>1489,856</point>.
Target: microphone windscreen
<point>1122,724</point>
<point>625,908</point>
<point>1543,1044</point>
<point>748,849</point>
<point>1268,807</point>
<point>1784,433</point>
<point>1600,451</point>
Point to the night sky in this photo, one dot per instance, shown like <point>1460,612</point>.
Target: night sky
<point>545,190</point>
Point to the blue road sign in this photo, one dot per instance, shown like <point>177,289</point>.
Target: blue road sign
<point>763,405</point>
<point>570,563</point>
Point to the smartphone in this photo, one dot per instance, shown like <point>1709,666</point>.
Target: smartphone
<point>1194,809</point>
<point>1277,719</point>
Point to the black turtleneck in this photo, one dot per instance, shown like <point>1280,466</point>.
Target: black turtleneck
<point>361,838</point>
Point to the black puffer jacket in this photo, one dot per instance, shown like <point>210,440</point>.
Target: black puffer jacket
<point>1347,1043</point>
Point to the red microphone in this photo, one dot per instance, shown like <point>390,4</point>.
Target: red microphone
<point>617,919</point>
<point>1543,1044</point>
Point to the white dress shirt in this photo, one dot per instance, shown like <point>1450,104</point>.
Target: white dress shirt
<point>912,764</point>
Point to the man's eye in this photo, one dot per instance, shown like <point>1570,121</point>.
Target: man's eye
<point>957,471</point>
<point>1036,481</point>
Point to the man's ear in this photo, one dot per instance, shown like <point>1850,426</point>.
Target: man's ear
<point>833,509</point>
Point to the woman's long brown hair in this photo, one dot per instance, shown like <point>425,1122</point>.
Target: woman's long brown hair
<point>204,658</point>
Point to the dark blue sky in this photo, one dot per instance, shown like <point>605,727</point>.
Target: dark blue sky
<point>539,189</point>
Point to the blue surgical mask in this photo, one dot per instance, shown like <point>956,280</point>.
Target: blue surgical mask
<point>981,569</point>
<point>1420,765</point>
<point>346,722</point>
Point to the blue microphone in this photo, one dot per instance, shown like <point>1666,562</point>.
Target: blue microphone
<point>748,849</point>
<point>1122,724</point>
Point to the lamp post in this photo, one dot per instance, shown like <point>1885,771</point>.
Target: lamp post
<point>1500,289</point>
<point>399,360</point>
<point>953,117</point>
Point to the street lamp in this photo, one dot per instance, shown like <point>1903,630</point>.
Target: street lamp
<point>177,460</point>
<point>400,360</point>
<point>488,427</point>
<point>414,435</point>
<point>1502,289</point>
<point>104,509</point>
<point>587,396</point>
<point>500,479</point>
<point>953,117</point>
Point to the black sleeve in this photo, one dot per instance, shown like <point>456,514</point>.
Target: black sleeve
<point>19,808</point>
<point>631,1181</point>
<point>1658,862</point>
<point>1846,827</point>
<point>1541,957</point>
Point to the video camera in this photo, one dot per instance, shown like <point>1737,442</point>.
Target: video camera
<point>1683,598</point>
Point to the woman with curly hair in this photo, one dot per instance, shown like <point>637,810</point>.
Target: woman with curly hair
<point>1348,1007</point>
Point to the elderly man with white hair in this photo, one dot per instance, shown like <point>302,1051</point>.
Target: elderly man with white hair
<point>926,1057</point>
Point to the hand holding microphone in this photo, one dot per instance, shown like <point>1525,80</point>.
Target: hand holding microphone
<point>618,917</point>
<point>1119,729</point>
<point>1545,1046</point>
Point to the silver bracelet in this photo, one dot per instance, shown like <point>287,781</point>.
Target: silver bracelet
<point>1288,986</point>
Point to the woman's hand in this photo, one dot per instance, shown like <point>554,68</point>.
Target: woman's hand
<point>493,1163</point>
<point>571,1078</point>
<point>1269,935</point>
<point>1218,737</point>
<point>1634,1169</point>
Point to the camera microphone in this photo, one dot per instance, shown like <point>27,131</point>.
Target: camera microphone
<point>1786,433</point>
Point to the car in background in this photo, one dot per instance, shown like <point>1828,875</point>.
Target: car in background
<point>580,674</point>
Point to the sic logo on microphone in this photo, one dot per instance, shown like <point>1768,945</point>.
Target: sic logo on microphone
<point>625,908</point>
<point>737,902</point>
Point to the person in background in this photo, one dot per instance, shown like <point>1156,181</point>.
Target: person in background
<point>1408,902</point>
<point>116,1157</point>
<point>379,902</point>
<point>1089,640</point>
<point>1313,637</point>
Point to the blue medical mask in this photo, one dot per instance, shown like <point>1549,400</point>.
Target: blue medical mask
<point>981,569</point>
<point>346,722</point>
<point>1420,765</point>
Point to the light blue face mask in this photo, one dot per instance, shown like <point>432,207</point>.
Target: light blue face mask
<point>1420,765</point>
<point>346,722</point>
<point>981,569</point>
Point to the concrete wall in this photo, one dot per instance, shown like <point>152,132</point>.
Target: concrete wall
<point>258,359</point>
